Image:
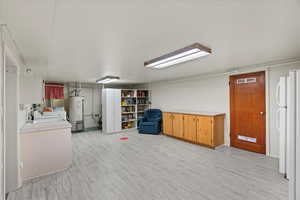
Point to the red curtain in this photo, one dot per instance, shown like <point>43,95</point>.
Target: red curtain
<point>54,91</point>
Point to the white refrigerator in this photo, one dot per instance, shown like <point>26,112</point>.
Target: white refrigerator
<point>294,135</point>
<point>282,100</point>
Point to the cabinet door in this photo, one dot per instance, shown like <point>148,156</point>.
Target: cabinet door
<point>178,125</point>
<point>190,127</point>
<point>117,110</point>
<point>204,130</point>
<point>168,123</point>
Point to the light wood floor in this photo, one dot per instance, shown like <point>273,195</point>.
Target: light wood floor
<point>157,167</point>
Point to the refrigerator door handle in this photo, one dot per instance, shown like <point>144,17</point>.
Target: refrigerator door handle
<point>277,94</point>
<point>277,120</point>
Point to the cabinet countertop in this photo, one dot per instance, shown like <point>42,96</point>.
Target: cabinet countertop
<point>44,126</point>
<point>205,113</point>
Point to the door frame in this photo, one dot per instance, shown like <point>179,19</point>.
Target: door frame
<point>8,50</point>
<point>267,104</point>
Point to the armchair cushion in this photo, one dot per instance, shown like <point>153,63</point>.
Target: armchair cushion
<point>148,124</point>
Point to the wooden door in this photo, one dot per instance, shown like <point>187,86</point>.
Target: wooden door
<point>247,112</point>
<point>178,125</point>
<point>190,127</point>
<point>168,123</point>
<point>204,130</point>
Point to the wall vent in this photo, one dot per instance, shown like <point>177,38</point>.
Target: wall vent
<point>245,80</point>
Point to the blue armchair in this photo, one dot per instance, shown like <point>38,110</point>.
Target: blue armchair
<point>151,122</point>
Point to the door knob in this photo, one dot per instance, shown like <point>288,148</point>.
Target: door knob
<point>261,113</point>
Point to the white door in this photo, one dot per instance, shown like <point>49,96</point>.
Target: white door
<point>281,127</point>
<point>117,110</point>
<point>297,139</point>
<point>281,97</point>
<point>11,132</point>
<point>111,110</point>
<point>108,110</point>
<point>281,120</point>
<point>288,131</point>
<point>294,136</point>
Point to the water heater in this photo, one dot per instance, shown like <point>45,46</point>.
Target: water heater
<point>76,113</point>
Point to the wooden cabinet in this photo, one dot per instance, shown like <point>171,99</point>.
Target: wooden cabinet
<point>207,130</point>
<point>173,124</point>
<point>204,130</point>
<point>190,127</point>
<point>177,125</point>
<point>168,123</point>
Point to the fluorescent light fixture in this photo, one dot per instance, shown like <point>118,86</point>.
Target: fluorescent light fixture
<point>107,79</point>
<point>191,52</point>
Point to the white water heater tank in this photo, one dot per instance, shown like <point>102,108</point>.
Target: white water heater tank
<point>76,109</point>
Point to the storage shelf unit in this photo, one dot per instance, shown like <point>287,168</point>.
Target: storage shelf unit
<point>143,102</point>
<point>137,100</point>
<point>128,104</point>
<point>123,107</point>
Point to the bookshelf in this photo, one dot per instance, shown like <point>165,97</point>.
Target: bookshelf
<point>133,102</point>
<point>128,108</point>
<point>143,102</point>
<point>122,108</point>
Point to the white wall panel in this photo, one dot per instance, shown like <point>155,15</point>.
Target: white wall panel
<point>31,89</point>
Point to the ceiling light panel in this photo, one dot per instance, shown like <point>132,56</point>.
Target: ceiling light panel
<point>185,54</point>
<point>107,79</point>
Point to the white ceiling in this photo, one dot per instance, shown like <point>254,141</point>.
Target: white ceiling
<point>83,40</point>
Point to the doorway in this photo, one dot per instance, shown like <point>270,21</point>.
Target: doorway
<point>248,112</point>
<point>11,128</point>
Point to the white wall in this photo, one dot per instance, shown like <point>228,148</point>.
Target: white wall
<point>212,94</point>
<point>203,94</point>
<point>92,100</point>
<point>31,88</point>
